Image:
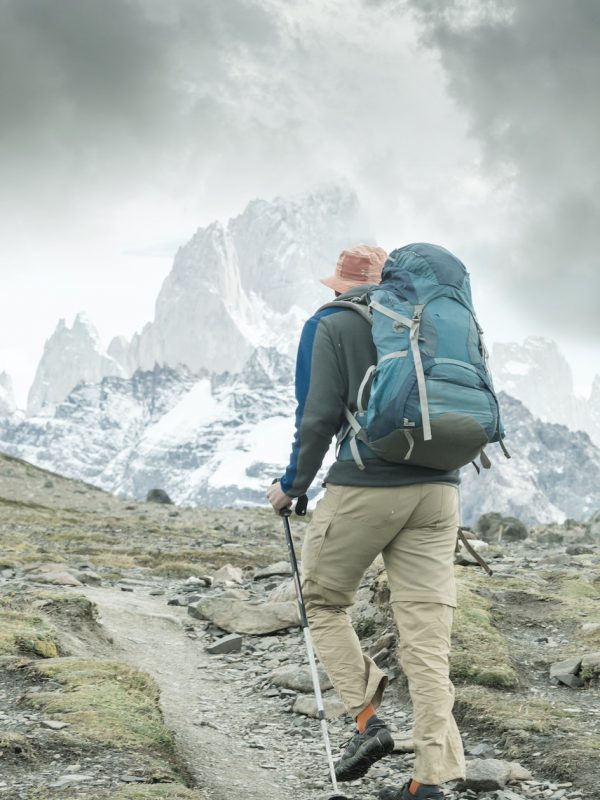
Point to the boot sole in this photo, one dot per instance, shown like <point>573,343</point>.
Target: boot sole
<point>361,762</point>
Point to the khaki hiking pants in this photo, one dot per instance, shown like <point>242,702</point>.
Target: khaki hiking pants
<point>414,528</point>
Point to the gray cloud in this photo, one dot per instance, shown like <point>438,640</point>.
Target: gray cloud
<point>76,75</point>
<point>126,123</point>
<point>527,73</point>
<point>97,96</point>
<point>104,99</point>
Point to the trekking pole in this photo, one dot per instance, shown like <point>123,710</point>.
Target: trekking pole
<point>286,513</point>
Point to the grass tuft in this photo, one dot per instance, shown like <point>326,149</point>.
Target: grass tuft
<point>26,633</point>
<point>104,702</point>
<point>479,651</point>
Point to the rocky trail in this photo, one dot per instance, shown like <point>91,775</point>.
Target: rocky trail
<point>213,726</point>
<point>152,653</point>
<point>236,729</point>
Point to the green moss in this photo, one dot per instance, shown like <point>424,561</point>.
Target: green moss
<point>69,606</point>
<point>26,633</point>
<point>180,569</point>
<point>591,674</point>
<point>534,586</point>
<point>162,792</point>
<point>43,648</point>
<point>575,587</point>
<point>591,639</point>
<point>12,742</point>
<point>366,627</point>
<point>484,707</point>
<point>479,651</point>
<point>22,504</point>
<point>140,792</point>
<point>104,702</point>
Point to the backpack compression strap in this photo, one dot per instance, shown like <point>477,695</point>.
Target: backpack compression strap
<point>413,325</point>
<point>356,431</point>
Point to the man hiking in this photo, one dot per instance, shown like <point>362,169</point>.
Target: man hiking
<point>408,513</point>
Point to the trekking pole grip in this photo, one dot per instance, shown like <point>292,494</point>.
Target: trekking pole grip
<point>285,514</point>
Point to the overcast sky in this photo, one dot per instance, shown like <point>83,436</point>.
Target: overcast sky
<point>126,124</point>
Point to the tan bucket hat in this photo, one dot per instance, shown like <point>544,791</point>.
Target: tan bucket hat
<point>360,264</point>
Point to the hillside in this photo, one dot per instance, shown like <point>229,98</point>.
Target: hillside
<point>94,588</point>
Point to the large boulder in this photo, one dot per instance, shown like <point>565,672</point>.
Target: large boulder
<point>245,616</point>
<point>494,527</point>
<point>513,530</point>
<point>158,496</point>
<point>488,526</point>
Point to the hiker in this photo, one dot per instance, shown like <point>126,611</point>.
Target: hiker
<point>406,512</point>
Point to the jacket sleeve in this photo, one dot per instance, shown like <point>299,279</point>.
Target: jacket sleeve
<point>320,392</point>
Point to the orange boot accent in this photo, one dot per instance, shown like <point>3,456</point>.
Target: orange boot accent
<point>364,716</point>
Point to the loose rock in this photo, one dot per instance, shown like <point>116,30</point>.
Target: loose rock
<point>307,705</point>
<point>567,672</point>
<point>246,616</point>
<point>486,774</point>
<point>299,678</point>
<point>283,593</point>
<point>54,724</point>
<point>279,568</point>
<point>228,644</point>
<point>228,576</point>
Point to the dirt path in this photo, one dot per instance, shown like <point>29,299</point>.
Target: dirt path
<point>151,636</point>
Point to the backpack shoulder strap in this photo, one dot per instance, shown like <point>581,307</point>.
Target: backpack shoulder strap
<point>357,305</point>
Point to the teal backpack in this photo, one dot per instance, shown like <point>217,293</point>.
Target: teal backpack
<point>431,402</point>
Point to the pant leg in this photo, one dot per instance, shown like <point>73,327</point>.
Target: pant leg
<point>424,630</point>
<point>355,676</point>
<point>420,566</point>
<point>351,526</point>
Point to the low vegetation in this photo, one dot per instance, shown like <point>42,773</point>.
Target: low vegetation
<point>480,654</point>
<point>508,630</point>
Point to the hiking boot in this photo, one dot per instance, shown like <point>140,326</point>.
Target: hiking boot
<point>424,792</point>
<point>364,749</point>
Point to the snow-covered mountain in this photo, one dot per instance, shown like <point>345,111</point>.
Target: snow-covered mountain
<point>554,473</point>
<point>71,355</point>
<point>201,401</point>
<point>538,374</point>
<point>205,439</point>
<point>234,287</point>
<point>249,283</point>
<point>219,440</point>
<point>594,409</point>
<point>7,396</point>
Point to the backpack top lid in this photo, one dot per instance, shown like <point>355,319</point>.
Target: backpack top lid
<point>418,272</point>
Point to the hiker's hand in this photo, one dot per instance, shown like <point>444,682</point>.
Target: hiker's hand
<point>278,498</point>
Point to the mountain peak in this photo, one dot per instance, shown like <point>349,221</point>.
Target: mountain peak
<point>71,355</point>
<point>83,321</point>
<point>248,283</point>
<point>539,375</point>
<point>7,396</point>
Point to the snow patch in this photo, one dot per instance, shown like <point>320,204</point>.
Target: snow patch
<point>517,367</point>
<point>182,424</point>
